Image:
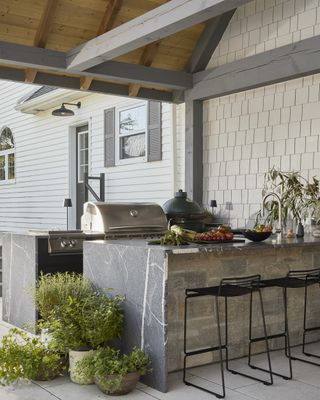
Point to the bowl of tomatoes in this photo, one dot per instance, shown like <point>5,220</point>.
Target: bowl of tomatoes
<point>258,233</point>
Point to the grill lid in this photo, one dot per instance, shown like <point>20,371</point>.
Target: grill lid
<point>123,218</point>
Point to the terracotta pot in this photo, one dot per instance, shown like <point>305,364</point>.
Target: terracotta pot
<point>127,384</point>
<point>74,357</point>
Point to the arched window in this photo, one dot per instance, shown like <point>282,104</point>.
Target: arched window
<point>7,172</point>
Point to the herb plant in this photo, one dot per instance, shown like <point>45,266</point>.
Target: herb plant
<point>55,290</point>
<point>109,366</point>
<point>23,356</point>
<point>84,323</point>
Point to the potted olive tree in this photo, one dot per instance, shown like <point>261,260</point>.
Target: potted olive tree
<point>299,197</point>
<point>81,324</point>
<point>115,373</point>
<point>25,357</point>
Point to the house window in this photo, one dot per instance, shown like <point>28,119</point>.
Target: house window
<point>132,132</point>
<point>7,157</point>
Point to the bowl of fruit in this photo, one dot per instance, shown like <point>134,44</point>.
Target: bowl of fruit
<point>258,233</point>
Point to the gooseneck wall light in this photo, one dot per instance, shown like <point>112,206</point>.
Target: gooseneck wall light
<point>65,112</point>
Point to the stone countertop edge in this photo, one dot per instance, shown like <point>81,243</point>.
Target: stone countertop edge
<point>271,243</point>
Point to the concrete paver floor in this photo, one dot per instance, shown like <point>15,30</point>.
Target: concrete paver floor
<point>304,386</point>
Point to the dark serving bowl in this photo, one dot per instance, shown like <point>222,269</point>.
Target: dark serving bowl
<point>256,236</point>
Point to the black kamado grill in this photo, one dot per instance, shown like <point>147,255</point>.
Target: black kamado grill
<point>184,212</point>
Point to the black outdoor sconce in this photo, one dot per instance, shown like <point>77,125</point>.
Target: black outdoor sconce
<point>65,112</point>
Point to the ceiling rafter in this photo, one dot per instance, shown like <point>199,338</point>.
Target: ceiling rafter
<point>42,33</point>
<point>72,83</point>
<point>161,22</point>
<point>146,59</point>
<point>110,14</point>
<point>206,45</point>
<point>55,62</point>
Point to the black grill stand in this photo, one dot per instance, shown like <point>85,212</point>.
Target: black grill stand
<point>229,287</point>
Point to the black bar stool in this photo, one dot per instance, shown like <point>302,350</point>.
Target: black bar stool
<point>229,287</point>
<point>296,279</point>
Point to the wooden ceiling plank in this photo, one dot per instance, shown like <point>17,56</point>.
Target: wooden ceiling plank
<point>146,59</point>
<point>171,17</point>
<point>42,34</point>
<point>55,61</point>
<point>106,23</point>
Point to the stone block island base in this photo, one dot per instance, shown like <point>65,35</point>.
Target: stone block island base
<point>153,280</point>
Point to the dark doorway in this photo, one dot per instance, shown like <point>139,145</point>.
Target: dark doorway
<point>82,163</point>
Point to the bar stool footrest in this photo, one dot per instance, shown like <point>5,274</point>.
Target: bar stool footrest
<point>201,351</point>
<point>218,395</point>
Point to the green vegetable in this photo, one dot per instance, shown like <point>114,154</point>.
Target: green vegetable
<point>172,238</point>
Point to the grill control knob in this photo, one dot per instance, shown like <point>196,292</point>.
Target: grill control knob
<point>72,243</point>
<point>65,243</point>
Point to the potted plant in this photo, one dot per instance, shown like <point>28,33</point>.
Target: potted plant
<point>299,197</point>
<point>115,373</point>
<point>25,357</point>
<point>55,289</point>
<point>82,324</point>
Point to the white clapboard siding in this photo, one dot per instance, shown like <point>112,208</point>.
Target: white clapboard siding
<point>42,154</point>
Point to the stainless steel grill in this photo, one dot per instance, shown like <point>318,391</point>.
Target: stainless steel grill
<point>62,242</point>
<point>120,220</point>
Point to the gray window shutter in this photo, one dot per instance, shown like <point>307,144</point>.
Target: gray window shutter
<point>154,131</point>
<point>109,137</point>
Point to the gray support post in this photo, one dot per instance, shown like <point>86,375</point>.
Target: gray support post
<point>194,150</point>
<point>102,186</point>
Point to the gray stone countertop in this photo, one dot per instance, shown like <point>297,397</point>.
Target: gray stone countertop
<point>270,243</point>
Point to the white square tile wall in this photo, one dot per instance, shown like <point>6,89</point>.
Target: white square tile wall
<point>263,25</point>
<point>240,155</point>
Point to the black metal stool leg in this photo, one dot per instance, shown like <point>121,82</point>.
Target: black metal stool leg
<point>305,331</point>
<point>266,337</point>
<point>267,347</point>
<point>220,348</point>
<point>285,334</point>
<point>209,349</point>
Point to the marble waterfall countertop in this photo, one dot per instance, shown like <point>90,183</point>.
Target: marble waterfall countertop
<point>272,242</point>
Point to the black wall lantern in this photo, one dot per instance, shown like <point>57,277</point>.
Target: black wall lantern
<point>67,203</point>
<point>65,112</point>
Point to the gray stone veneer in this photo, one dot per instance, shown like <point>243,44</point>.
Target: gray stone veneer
<point>153,280</point>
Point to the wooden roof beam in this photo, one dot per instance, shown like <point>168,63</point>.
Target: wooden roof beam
<point>110,14</point>
<point>146,59</point>
<point>208,42</point>
<point>70,82</point>
<point>278,65</point>
<point>42,33</point>
<point>55,61</point>
<point>206,46</point>
<point>163,21</point>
